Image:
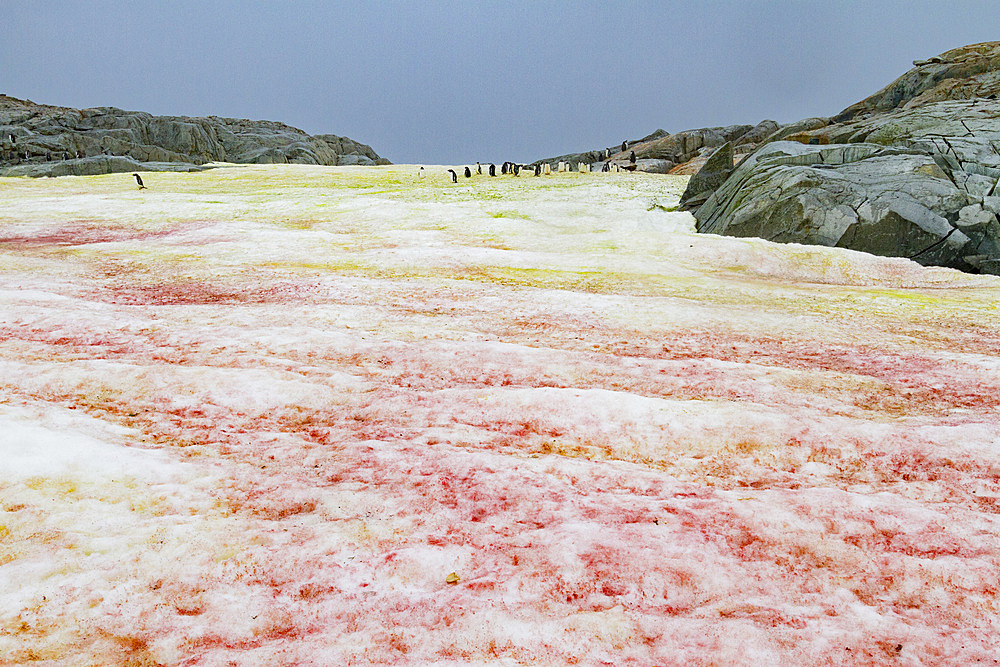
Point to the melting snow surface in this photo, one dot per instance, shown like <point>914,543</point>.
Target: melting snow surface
<point>260,416</point>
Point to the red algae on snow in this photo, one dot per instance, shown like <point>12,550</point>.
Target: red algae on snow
<point>228,458</point>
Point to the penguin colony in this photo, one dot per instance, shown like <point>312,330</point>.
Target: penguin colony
<point>542,168</point>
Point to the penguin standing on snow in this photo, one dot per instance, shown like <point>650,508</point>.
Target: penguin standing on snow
<point>454,176</point>
<point>493,169</point>
<point>138,180</point>
<point>517,170</point>
<point>538,169</point>
<point>479,169</point>
<point>468,173</point>
<point>420,173</point>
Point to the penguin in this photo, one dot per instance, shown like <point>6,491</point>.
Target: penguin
<point>517,170</point>
<point>138,180</point>
<point>493,169</point>
<point>420,173</point>
<point>503,168</point>
<point>624,146</point>
<point>479,169</point>
<point>13,139</point>
<point>538,169</point>
<point>606,167</point>
<point>607,154</point>
<point>454,176</point>
<point>631,158</point>
<point>468,173</point>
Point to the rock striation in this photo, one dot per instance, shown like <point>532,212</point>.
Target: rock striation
<point>911,171</point>
<point>44,140</point>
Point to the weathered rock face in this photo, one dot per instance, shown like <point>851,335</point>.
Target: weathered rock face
<point>45,137</point>
<point>714,173</point>
<point>661,147</point>
<point>861,196</point>
<point>963,73</point>
<point>654,166</point>
<point>350,151</point>
<point>897,175</point>
<point>683,146</point>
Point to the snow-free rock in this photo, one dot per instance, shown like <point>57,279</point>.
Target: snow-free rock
<point>44,140</point>
<point>911,171</point>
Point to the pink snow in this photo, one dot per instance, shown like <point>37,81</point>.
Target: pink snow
<point>268,439</point>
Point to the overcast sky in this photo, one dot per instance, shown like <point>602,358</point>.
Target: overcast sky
<point>456,82</point>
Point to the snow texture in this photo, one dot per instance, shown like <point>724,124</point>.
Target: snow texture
<point>259,415</point>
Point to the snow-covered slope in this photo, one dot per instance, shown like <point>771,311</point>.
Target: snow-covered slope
<point>259,415</point>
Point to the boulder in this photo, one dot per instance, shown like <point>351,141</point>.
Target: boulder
<point>758,133</point>
<point>653,166</point>
<point>867,197</point>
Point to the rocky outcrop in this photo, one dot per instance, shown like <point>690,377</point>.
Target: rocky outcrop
<point>714,173</point>
<point>94,166</point>
<point>967,72</point>
<point>911,171</point>
<point>588,157</point>
<point>350,151</point>
<point>660,148</point>
<point>39,140</point>
<point>861,196</point>
<point>683,146</point>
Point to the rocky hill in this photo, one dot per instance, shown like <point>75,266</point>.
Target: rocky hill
<point>44,140</point>
<point>910,171</point>
<point>680,152</point>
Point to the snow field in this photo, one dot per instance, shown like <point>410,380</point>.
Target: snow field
<point>260,414</point>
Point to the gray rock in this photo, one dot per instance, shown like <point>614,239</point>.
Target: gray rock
<point>590,157</point>
<point>651,166</point>
<point>47,134</point>
<point>912,171</point>
<point>963,73</point>
<point>759,133</point>
<point>714,173</point>
<point>866,197</point>
<point>676,148</point>
<point>93,166</point>
<point>355,160</point>
<point>992,204</point>
<point>797,127</point>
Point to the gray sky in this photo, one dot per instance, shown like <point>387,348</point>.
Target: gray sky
<point>456,82</point>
